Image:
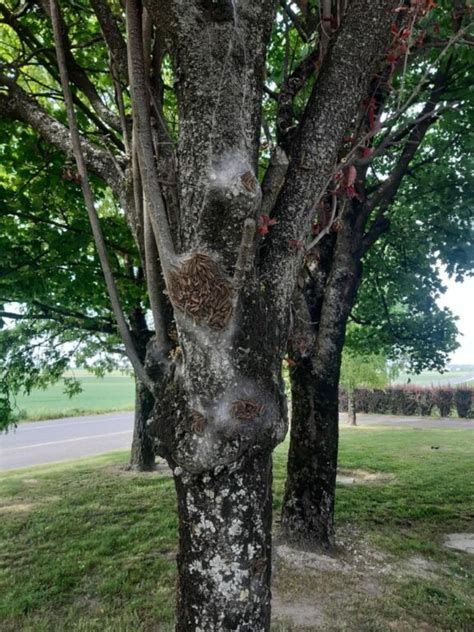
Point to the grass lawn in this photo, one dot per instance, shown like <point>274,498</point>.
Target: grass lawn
<point>113,392</point>
<point>434,378</point>
<point>88,546</point>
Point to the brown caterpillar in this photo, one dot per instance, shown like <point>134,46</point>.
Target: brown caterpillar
<point>199,289</point>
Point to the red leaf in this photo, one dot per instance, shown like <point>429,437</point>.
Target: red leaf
<point>350,174</point>
<point>264,223</point>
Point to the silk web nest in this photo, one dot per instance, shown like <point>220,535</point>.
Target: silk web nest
<point>199,289</point>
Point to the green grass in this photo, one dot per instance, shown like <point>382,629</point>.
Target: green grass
<point>434,378</point>
<point>87,546</point>
<point>111,393</point>
<point>116,392</point>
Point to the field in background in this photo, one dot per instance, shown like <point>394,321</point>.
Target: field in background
<point>116,392</point>
<point>90,547</point>
<point>99,395</point>
<point>453,377</point>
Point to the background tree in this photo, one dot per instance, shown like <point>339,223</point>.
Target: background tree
<point>398,177</point>
<point>361,370</point>
<point>51,275</point>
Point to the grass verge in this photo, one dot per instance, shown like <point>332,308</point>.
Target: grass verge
<point>112,393</point>
<point>88,546</point>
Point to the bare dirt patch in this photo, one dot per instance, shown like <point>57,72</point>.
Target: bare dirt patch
<point>161,468</point>
<point>302,613</point>
<point>460,542</point>
<point>18,508</point>
<point>363,477</point>
<point>26,507</point>
<point>314,590</point>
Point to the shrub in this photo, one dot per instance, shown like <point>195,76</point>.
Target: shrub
<point>362,400</point>
<point>425,401</point>
<point>463,400</point>
<point>397,399</point>
<point>412,400</point>
<point>380,401</point>
<point>443,398</point>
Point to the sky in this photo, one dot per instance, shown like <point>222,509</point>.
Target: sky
<point>459,297</point>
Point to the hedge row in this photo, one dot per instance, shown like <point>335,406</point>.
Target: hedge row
<point>412,400</point>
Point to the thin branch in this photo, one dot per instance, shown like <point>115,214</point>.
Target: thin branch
<point>326,230</point>
<point>294,20</point>
<point>86,323</point>
<point>289,89</point>
<point>78,75</point>
<point>141,114</point>
<point>419,86</point>
<point>394,139</point>
<point>112,36</point>
<point>273,179</point>
<point>155,288</point>
<point>387,190</point>
<point>88,198</point>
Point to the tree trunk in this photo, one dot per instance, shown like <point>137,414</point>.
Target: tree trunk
<point>308,506</point>
<point>224,560</point>
<point>221,462</point>
<point>142,457</point>
<point>351,408</point>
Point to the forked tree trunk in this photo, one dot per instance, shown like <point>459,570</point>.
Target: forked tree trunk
<point>225,547</point>
<point>222,411</point>
<point>142,456</point>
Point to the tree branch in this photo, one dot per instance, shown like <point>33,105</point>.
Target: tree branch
<point>88,198</point>
<point>295,20</point>
<point>112,36</point>
<point>347,71</point>
<point>141,115</point>
<point>78,75</point>
<point>46,57</point>
<point>18,105</point>
<point>386,192</point>
<point>273,179</point>
<point>289,89</point>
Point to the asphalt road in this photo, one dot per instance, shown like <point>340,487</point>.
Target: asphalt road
<point>41,442</point>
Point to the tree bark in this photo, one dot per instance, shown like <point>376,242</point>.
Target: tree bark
<point>351,409</point>
<point>308,505</point>
<point>225,547</point>
<point>142,456</point>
